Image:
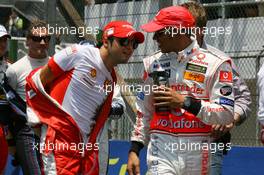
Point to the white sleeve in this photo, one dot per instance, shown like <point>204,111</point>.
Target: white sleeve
<point>220,107</point>
<point>12,77</point>
<point>242,96</point>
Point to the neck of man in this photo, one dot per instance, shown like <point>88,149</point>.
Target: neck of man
<point>185,42</point>
<point>107,59</point>
<point>200,40</point>
<point>36,55</point>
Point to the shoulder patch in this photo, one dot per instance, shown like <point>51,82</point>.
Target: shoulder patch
<point>141,96</point>
<point>225,76</point>
<point>93,73</point>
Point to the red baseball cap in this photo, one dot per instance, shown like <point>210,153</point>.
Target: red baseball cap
<point>173,16</point>
<point>122,29</point>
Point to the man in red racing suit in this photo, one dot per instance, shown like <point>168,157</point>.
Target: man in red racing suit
<point>71,97</point>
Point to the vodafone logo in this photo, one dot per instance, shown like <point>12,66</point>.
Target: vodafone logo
<point>225,76</point>
<point>200,59</point>
<point>200,56</point>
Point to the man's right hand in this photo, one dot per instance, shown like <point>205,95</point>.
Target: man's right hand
<point>219,130</point>
<point>133,164</point>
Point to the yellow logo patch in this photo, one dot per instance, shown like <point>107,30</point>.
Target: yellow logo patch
<point>194,76</point>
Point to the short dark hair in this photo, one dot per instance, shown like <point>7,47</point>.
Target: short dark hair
<point>198,12</point>
<point>36,23</point>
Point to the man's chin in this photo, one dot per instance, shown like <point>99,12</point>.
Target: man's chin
<point>125,61</point>
<point>126,58</point>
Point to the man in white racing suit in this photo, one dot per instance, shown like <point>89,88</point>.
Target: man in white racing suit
<point>177,120</point>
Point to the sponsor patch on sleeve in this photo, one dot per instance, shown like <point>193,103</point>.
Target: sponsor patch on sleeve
<point>93,73</point>
<point>194,76</point>
<point>141,95</point>
<point>226,101</point>
<point>225,76</point>
<point>226,90</point>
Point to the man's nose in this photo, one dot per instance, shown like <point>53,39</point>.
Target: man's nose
<point>42,41</point>
<point>154,36</point>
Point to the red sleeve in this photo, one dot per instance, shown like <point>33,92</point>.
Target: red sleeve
<point>55,68</point>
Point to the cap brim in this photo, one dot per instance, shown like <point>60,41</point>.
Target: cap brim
<point>152,26</point>
<point>138,36</point>
<point>7,35</point>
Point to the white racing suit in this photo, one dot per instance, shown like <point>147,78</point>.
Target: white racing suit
<point>180,139</point>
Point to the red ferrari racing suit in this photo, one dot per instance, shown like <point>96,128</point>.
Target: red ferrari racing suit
<point>180,139</point>
<point>72,111</point>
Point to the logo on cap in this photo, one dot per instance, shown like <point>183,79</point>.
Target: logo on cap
<point>110,31</point>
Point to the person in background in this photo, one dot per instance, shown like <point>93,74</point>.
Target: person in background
<point>4,107</point>
<point>37,41</point>
<point>15,24</point>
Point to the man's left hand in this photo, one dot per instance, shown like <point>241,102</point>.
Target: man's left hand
<point>165,96</point>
